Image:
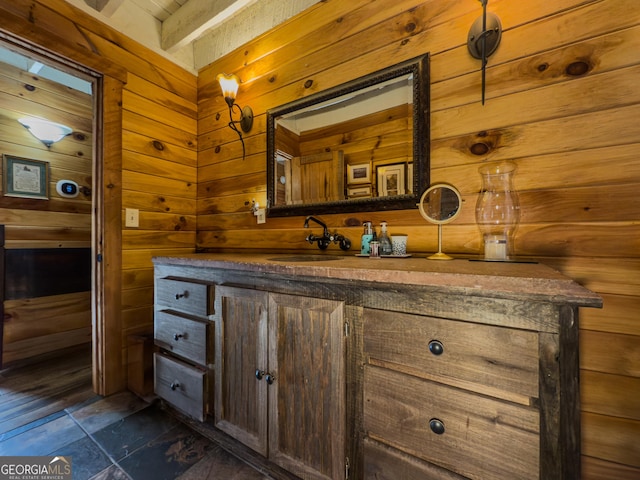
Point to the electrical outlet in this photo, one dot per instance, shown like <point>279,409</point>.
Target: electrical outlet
<point>261,216</point>
<point>131,217</point>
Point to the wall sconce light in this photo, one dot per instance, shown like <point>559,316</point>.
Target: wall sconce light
<point>45,131</point>
<point>229,85</point>
<point>484,37</point>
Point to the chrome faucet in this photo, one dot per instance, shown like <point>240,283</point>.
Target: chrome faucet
<point>325,240</point>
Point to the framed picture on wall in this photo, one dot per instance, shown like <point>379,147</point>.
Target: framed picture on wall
<point>360,173</point>
<point>25,178</point>
<point>391,180</point>
<point>363,191</point>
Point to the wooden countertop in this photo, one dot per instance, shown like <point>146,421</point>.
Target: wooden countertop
<point>529,281</point>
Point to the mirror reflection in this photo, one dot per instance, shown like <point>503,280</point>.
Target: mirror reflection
<point>358,147</point>
<point>441,204</point>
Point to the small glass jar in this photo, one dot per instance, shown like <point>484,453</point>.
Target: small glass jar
<point>498,210</point>
<point>374,249</point>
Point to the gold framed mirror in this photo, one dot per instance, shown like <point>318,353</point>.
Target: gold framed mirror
<point>440,204</point>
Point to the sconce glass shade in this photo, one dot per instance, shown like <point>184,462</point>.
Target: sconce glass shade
<point>45,131</point>
<point>229,85</point>
<point>498,211</point>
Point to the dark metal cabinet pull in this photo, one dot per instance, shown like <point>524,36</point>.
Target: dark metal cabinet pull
<point>177,336</point>
<point>182,295</point>
<point>174,385</point>
<point>270,379</point>
<point>259,374</point>
<point>436,347</point>
<point>436,426</point>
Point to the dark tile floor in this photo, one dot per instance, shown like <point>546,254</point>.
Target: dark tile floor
<point>124,437</point>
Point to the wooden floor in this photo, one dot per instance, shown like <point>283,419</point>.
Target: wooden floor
<point>49,408</point>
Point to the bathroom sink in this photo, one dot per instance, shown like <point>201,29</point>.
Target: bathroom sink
<point>306,258</point>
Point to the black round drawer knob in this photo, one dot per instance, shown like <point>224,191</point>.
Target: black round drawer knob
<point>174,385</point>
<point>436,426</point>
<point>436,347</point>
<point>259,374</point>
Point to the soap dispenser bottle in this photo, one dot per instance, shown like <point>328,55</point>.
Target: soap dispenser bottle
<point>367,236</point>
<point>385,242</point>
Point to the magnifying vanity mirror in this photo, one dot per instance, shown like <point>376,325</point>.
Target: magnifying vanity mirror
<point>440,204</point>
<point>361,146</point>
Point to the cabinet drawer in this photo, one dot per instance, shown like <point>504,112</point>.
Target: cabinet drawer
<point>384,463</point>
<point>481,438</point>
<point>186,337</point>
<point>180,384</point>
<point>467,353</point>
<point>184,296</point>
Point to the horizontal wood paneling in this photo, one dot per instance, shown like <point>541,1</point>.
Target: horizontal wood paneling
<point>570,135</point>
<point>28,318</point>
<point>598,442</point>
<point>37,324</point>
<point>610,394</point>
<point>157,151</point>
<point>40,325</point>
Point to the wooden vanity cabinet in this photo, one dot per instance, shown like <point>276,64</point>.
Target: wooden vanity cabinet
<point>280,378</point>
<point>388,370</point>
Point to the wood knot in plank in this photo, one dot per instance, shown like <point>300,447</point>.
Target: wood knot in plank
<point>480,144</point>
<point>578,68</point>
<point>479,148</point>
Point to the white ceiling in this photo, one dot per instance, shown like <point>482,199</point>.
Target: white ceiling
<point>192,33</point>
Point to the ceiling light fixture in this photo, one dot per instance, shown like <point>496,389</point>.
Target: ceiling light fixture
<point>45,131</point>
<point>229,85</point>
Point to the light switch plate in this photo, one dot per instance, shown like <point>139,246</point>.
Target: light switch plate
<point>131,217</point>
<point>261,216</point>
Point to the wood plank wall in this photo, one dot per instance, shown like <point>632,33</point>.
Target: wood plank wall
<point>158,149</point>
<point>563,99</point>
<point>34,326</point>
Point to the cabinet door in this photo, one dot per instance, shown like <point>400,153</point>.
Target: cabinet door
<point>307,400</point>
<point>241,349</point>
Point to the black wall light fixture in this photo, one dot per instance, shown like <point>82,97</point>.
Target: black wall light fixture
<point>483,39</point>
<point>229,85</point>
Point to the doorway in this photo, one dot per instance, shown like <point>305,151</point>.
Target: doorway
<point>49,200</point>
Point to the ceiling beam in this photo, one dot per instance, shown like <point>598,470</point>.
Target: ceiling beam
<point>194,18</point>
<point>106,7</point>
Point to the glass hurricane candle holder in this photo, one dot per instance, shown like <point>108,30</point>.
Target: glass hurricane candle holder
<point>498,210</point>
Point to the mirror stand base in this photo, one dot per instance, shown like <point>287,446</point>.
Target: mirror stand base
<point>439,256</point>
